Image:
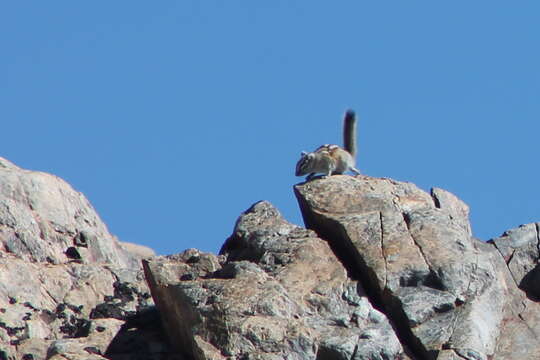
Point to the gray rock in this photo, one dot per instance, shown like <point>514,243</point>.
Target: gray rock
<point>43,219</point>
<point>457,209</point>
<point>447,293</point>
<point>68,289</point>
<point>388,271</point>
<point>409,254</point>
<point>276,292</point>
<point>519,252</point>
<point>46,307</point>
<point>520,249</point>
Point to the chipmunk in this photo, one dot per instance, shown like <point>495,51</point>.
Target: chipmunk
<point>332,159</point>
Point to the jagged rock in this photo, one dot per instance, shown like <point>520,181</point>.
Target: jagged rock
<point>407,268</point>
<point>46,307</point>
<point>449,295</point>
<point>520,249</point>
<point>277,291</point>
<point>43,219</point>
<point>68,289</point>
<point>387,271</point>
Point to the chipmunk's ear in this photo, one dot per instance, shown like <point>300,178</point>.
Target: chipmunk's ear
<point>303,153</point>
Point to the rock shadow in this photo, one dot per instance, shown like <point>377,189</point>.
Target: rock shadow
<point>530,284</point>
<point>142,337</point>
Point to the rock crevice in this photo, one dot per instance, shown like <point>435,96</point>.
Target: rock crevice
<point>300,290</point>
<point>439,297</point>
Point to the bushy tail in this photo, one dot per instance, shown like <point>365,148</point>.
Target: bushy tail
<point>349,133</point>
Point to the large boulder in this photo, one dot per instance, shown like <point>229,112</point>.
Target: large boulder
<point>384,271</point>
<point>449,294</point>
<point>43,219</point>
<point>519,249</point>
<point>277,291</point>
<point>45,308</point>
<point>390,272</point>
<point>68,288</point>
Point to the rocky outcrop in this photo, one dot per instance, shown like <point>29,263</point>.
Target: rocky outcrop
<point>521,331</point>
<point>384,271</point>
<point>276,291</point>
<point>42,219</point>
<point>388,272</point>
<point>450,295</point>
<point>66,309</point>
<point>68,288</point>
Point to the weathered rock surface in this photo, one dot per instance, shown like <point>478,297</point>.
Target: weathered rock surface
<point>68,289</point>
<point>387,271</point>
<point>277,291</point>
<point>43,219</point>
<point>449,295</point>
<point>398,276</point>
<point>46,309</point>
<point>521,332</point>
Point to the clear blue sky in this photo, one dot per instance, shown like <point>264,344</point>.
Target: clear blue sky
<point>173,117</point>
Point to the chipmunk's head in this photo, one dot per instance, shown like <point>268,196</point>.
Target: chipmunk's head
<point>303,166</point>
